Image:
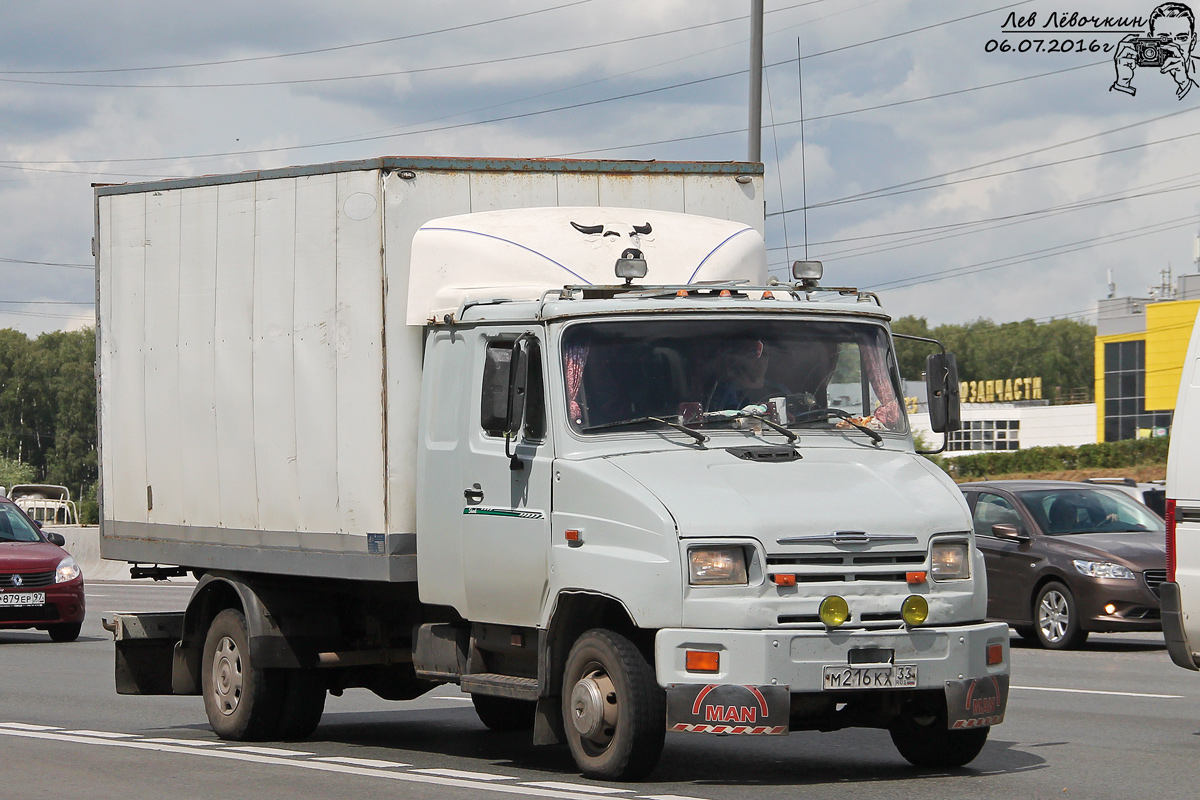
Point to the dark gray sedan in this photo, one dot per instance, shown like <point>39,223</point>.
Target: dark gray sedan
<point>1064,559</point>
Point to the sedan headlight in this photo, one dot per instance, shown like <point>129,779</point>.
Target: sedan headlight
<point>717,566</point>
<point>950,561</point>
<point>1103,569</point>
<point>67,570</point>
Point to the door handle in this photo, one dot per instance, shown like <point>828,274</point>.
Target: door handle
<point>473,493</point>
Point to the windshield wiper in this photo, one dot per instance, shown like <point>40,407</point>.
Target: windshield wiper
<point>825,413</point>
<point>699,437</point>
<point>770,423</point>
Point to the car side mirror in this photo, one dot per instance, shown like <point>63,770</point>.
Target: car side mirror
<point>941,384</point>
<point>1010,533</point>
<point>56,538</point>
<point>518,383</point>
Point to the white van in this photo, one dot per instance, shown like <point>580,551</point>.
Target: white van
<point>1181,591</point>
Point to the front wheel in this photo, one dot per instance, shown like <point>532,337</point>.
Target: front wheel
<point>65,631</point>
<point>925,741</point>
<point>614,711</point>
<point>1056,618</point>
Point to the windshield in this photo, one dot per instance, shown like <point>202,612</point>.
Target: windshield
<point>1064,511</point>
<point>14,527</point>
<point>689,370</point>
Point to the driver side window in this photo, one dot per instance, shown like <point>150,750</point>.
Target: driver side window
<point>992,509</point>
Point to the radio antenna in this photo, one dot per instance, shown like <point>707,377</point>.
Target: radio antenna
<point>803,172</point>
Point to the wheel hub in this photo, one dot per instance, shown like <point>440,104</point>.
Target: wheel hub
<point>227,676</point>
<point>594,707</point>
<point>1053,616</point>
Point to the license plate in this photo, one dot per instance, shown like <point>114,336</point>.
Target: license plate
<point>8,599</point>
<point>900,676</point>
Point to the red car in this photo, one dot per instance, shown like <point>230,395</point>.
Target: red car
<point>41,586</point>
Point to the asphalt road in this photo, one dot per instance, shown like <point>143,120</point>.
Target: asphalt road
<point>1115,720</point>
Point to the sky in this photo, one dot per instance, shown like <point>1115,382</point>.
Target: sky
<point>942,161</point>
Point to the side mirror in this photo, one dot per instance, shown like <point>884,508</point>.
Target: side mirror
<point>518,383</point>
<point>56,538</point>
<point>941,382</point>
<point>1009,532</point>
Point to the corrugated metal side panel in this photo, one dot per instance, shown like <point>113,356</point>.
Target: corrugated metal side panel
<point>314,353</point>
<point>122,370</point>
<point>661,192</point>
<point>274,387</point>
<point>237,477</point>
<point>197,357</point>
<point>723,197</point>
<point>409,205</point>
<point>361,462</point>
<point>492,192</point>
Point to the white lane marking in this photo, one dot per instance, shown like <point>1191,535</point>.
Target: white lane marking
<point>455,699</point>
<point>458,773</point>
<point>21,726</point>
<point>574,787</point>
<point>362,762</point>
<point>184,742</point>
<point>268,751</point>
<point>223,753</point>
<point>1097,691</point>
<point>666,797</point>
<point>104,734</point>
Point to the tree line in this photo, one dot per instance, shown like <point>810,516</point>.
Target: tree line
<point>1061,352</point>
<point>48,411</point>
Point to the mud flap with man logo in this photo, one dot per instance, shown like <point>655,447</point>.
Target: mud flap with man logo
<point>976,703</point>
<point>728,708</point>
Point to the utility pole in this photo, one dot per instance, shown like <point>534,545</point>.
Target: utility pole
<point>756,67</point>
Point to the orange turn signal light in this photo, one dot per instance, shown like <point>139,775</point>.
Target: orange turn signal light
<point>783,580</point>
<point>995,654</point>
<point>915,577</point>
<point>768,295</point>
<point>702,661</point>
<point>572,536</point>
<point>682,293</point>
<point>726,293</point>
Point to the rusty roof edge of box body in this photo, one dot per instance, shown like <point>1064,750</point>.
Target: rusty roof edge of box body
<point>392,163</point>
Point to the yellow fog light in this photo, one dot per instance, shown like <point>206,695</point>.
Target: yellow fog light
<point>915,610</point>
<point>834,611</point>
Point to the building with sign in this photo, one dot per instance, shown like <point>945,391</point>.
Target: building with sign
<point>1141,343</point>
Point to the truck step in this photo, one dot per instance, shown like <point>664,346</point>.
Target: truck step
<point>497,685</point>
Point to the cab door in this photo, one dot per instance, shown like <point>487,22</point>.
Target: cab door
<point>506,486</point>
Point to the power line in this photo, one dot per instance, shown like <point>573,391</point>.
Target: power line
<point>45,263</point>
<point>295,53</point>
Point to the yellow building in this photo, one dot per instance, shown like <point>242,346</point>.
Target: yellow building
<point>1141,344</point>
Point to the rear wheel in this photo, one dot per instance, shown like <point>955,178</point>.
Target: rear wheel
<point>303,704</point>
<point>614,711</point>
<point>241,700</point>
<point>65,631</point>
<point>1056,618</point>
<point>504,713</point>
<point>925,741</point>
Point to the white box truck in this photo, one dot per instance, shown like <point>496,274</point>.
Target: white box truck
<point>542,429</point>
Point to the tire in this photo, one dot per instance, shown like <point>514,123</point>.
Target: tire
<point>504,713</point>
<point>927,742</point>
<point>243,702</point>
<point>1056,618</point>
<point>65,632</point>
<point>303,704</point>
<point>614,712</point>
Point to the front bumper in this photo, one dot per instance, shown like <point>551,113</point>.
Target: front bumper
<point>1137,608</point>
<point>64,604</point>
<point>949,661</point>
<point>1173,632</point>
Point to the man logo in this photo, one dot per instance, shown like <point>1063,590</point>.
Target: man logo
<point>1167,50</point>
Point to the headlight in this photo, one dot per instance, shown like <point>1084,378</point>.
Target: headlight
<point>67,570</point>
<point>1103,569</point>
<point>718,566</point>
<point>950,561</point>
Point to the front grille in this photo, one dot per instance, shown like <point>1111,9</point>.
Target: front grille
<point>1154,579</point>
<point>47,613</point>
<point>847,567</point>
<point>28,580</point>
